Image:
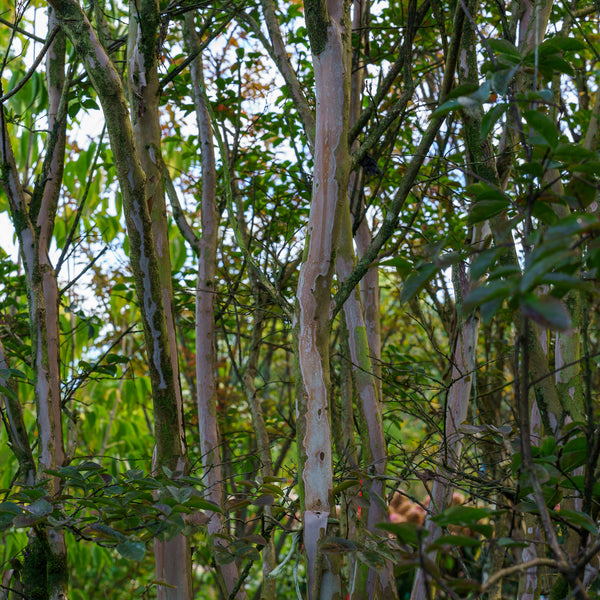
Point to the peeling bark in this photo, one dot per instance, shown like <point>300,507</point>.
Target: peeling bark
<point>328,29</point>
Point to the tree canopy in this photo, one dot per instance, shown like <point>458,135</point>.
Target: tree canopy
<point>299,299</point>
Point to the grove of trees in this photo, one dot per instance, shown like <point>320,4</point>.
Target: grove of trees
<point>304,301</point>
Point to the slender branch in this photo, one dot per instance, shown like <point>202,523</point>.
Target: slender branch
<point>390,221</point>
<point>87,268</point>
<point>507,571</point>
<point>182,223</point>
<point>18,29</point>
<point>82,202</point>
<point>171,75</point>
<point>34,66</point>
<point>387,81</point>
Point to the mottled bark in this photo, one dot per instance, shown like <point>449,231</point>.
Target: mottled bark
<point>132,180</point>
<point>329,33</point>
<point>172,558</point>
<point>135,186</point>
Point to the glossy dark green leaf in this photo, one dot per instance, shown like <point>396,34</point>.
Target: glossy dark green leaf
<point>486,209</point>
<point>543,126</point>
<point>491,117</point>
<point>546,311</point>
<point>415,282</point>
<point>579,519</point>
<point>132,550</point>
<point>504,47</point>
<point>497,289</point>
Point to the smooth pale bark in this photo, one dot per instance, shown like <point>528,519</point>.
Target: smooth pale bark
<point>42,280</point>
<point>206,388</point>
<point>328,28</point>
<point>172,557</point>
<point>33,219</point>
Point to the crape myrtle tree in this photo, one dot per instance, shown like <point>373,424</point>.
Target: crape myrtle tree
<point>282,268</point>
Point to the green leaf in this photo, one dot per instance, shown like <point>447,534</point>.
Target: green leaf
<point>577,482</point>
<point>8,392</point>
<point>511,543</point>
<point>491,117</point>
<point>374,560</point>
<point>462,515</point>
<point>538,269</point>
<point>572,153</point>
<point>501,80</point>
<point>547,311</point>
<point>542,125</point>
<point>544,213</point>
<point>181,495</point>
<point>132,550</point>
<point>486,209</point>
<point>574,454</point>
<point>117,359</point>
<point>6,373</point>
<point>202,504</point>
<point>11,508</point>
<point>482,262</point>
<point>497,289</point>
<point>40,508</point>
<point>504,47</point>
<point>409,533</point>
<point>446,108</point>
<point>579,519</point>
<point>560,43</point>
<point>403,267</point>
<point>416,281</point>
<point>461,90</point>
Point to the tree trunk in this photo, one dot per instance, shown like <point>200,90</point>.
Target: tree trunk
<point>329,33</point>
<point>170,443</point>
<point>172,558</point>
<point>45,566</point>
<point>206,387</point>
